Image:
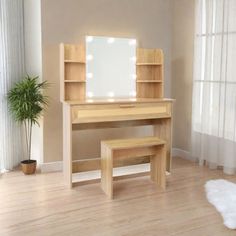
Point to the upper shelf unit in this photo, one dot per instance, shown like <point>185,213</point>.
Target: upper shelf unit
<point>149,70</point>
<point>73,71</point>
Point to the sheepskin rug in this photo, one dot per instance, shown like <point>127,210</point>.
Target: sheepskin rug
<point>222,194</point>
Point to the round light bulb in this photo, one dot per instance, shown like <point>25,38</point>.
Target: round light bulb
<point>89,57</point>
<point>132,93</point>
<point>111,94</point>
<point>110,40</point>
<point>90,94</point>
<point>89,39</point>
<point>111,100</point>
<point>89,75</point>
<point>132,42</point>
<point>133,59</point>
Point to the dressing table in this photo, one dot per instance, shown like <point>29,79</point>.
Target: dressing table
<point>81,112</point>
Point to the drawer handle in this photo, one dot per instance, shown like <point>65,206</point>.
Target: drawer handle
<point>127,105</point>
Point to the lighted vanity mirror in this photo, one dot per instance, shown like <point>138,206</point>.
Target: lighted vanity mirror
<point>110,67</point>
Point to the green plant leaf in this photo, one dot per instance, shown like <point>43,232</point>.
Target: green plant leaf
<point>27,101</point>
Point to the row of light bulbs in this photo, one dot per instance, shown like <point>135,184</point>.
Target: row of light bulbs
<point>110,40</point>
<point>90,58</point>
<point>110,100</point>
<point>111,94</point>
<point>90,76</point>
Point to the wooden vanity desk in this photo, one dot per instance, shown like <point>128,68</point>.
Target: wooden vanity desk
<point>119,113</point>
<point>148,108</point>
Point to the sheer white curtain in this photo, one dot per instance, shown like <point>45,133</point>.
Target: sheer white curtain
<point>214,93</point>
<point>11,71</point>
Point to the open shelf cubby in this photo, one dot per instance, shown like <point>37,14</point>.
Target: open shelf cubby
<point>74,91</point>
<point>149,70</point>
<point>73,71</point>
<point>149,90</point>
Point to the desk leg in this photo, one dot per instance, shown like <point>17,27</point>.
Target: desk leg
<point>107,171</point>
<point>158,167</point>
<point>163,130</point>
<point>67,145</point>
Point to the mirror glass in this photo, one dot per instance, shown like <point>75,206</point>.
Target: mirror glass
<point>110,67</point>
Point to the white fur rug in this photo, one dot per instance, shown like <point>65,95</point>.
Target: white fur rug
<point>222,194</point>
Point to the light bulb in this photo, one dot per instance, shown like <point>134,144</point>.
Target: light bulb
<point>110,40</point>
<point>132,42</point>
<point>133,59</point>
<point>133,99</point>
<point>90,94</point>
<point>111,100</point>
<point>132,93</point>
<point>89,75</point>
<point>111,94</point>
<point>89,57</point>
<point>89,39</point>
<point>134,76</point>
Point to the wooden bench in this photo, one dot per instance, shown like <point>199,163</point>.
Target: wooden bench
<point>111,150</point>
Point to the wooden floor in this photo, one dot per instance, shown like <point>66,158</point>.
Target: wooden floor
<point>41,205</point>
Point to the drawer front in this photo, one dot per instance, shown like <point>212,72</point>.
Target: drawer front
<point>120,112</point>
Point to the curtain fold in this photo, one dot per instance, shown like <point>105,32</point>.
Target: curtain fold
<point>12,68</point>
<point>214,91</point>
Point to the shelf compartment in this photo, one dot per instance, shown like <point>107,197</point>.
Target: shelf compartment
<point>74,52</point>
<point>148,64</point>
<point>149,90</point>
<point>74,81</point>
<point>149,56</point>
<point>74,61</point>
<point>151,72</point>
<point>75,91</point>
<point>75,71</point>
<point>149,81</point>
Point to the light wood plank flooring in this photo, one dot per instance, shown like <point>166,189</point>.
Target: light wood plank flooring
<point>41,205</point>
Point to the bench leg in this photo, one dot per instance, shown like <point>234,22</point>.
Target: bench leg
<point>158,167</point>
<point>107,171</point>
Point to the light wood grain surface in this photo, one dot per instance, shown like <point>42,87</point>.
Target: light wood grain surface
<point>111,150</point>
<point>87,116</point>
<point>72,72</point>
<point>115,144</point>
<point>149,67</point>
<point>42,205</point>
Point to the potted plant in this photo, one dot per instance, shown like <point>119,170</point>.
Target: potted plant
<point>26,101</point>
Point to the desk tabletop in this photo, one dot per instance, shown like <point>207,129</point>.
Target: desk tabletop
<point>118,101</point>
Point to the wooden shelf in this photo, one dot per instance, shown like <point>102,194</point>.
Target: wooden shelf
<point>149,81</point>
<point>74,61</point>
<point>73,72</point>
<point>149,90</point>
<point>74,81</point>
<point>75,91</point>
<point>148,64</point>
<point>149,71</point>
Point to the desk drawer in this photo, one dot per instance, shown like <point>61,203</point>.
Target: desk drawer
<point>119,112</point>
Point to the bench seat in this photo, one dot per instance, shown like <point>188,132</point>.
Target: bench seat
<point>128,148</point>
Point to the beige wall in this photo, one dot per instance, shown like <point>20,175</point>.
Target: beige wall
<point>182,70</point>
<point>69,21</point>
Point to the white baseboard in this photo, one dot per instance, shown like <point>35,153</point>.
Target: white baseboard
<point>117,171</point>
<point>176,152</point>
<point>51,167</point>
<point>57,166</point>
